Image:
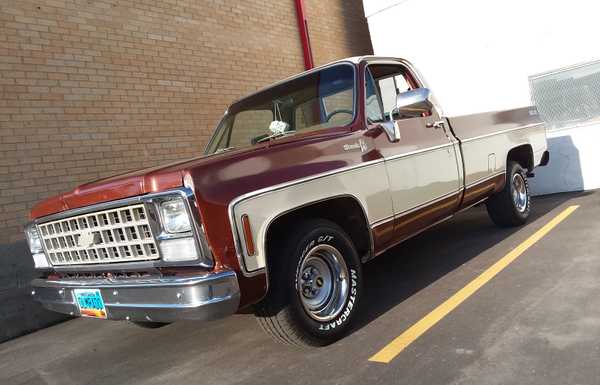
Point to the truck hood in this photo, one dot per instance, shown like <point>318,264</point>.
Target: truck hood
<point>218,178</point>
<point>120,186</point>
<point>142,181</point>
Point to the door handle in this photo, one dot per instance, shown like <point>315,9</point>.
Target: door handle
<point>437,124</point>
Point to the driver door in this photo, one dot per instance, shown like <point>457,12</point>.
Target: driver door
<point>422,166</point>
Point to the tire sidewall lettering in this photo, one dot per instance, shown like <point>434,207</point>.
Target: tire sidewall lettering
<point>345,314</point>
<point>336,325</point>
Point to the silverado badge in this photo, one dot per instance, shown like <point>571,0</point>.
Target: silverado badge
<point>359,145</point>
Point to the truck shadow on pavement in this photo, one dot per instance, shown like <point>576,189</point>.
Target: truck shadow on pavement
<point>415,264</point>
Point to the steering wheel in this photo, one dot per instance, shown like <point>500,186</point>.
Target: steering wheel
<point>329,116</point>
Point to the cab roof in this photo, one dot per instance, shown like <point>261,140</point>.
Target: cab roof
<point>355,60</point>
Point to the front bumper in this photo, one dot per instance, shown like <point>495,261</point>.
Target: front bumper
<point>162,299</point>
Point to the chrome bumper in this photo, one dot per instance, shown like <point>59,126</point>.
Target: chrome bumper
<point>200,297</point>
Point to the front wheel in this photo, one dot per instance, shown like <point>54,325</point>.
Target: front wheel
<point>512,205</point>
<point>316,284</point>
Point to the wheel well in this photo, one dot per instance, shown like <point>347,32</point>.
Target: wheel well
<point>345,211</point>
<point>523,155</point>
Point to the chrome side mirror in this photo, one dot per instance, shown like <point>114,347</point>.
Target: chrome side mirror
<point>413,103</point>
<point>409,104</point>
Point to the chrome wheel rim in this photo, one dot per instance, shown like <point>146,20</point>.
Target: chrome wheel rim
<point>323,283</point>
<point>519,192</point>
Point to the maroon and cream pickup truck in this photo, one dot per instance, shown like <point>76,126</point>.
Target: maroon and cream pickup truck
<point>301,184</point>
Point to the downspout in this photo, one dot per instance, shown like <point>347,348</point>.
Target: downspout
<point>304,38</point>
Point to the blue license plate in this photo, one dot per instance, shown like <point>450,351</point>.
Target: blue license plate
<point>90,303</point>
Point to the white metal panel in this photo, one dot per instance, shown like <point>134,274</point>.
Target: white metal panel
<point>368,184</point>
<point>476,152</point>
<point>423,177</point>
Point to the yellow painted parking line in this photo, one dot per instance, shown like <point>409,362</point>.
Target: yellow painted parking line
<point>395,347</point>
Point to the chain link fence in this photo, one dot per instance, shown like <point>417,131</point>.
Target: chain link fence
<point>568,97</point>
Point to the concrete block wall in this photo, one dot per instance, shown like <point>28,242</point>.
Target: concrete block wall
<point>18,314</point>
<point>574,160</point>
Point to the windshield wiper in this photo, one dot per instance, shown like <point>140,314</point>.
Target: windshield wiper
<point>272,136</point>
<point>225,149</point>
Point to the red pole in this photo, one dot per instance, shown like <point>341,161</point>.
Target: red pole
<point>304,38</point>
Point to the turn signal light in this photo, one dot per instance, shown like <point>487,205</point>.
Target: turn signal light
<point>248,235</point>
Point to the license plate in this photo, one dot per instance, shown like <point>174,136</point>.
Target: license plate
<point>90,303</point>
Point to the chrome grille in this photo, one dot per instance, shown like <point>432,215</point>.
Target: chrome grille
<point>121,234</point>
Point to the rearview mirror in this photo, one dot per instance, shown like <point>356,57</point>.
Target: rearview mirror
<point>413,103</point>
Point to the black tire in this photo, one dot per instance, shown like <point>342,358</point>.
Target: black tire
<point>504,209</point>
<point>283,313</point>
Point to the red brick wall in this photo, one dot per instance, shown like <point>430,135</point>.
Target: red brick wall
<point>93,88</point>
<point>337,29</point>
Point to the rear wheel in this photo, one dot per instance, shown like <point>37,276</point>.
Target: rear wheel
<point>316,285</point>
<point>512,205</point>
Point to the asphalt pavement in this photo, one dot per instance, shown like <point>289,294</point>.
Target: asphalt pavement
<point>536,322</point>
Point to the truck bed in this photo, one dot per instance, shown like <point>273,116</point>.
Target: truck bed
<point>486,138</point>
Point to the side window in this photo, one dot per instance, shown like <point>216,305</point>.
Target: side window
<point>389,80</point>
<point>373,107</point>
<point>390,87</point>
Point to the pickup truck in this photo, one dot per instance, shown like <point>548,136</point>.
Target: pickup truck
<point>300,185</point>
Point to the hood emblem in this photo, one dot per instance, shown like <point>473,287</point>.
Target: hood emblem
<point>86,239</point>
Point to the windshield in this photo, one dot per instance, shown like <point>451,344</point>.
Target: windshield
<point>318,100</point>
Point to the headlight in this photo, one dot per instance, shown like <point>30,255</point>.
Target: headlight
<point>179,249</point>
<point>34,240</point>
<point>35,246</point>
<point>181,240</point>
<point>175,216</point>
